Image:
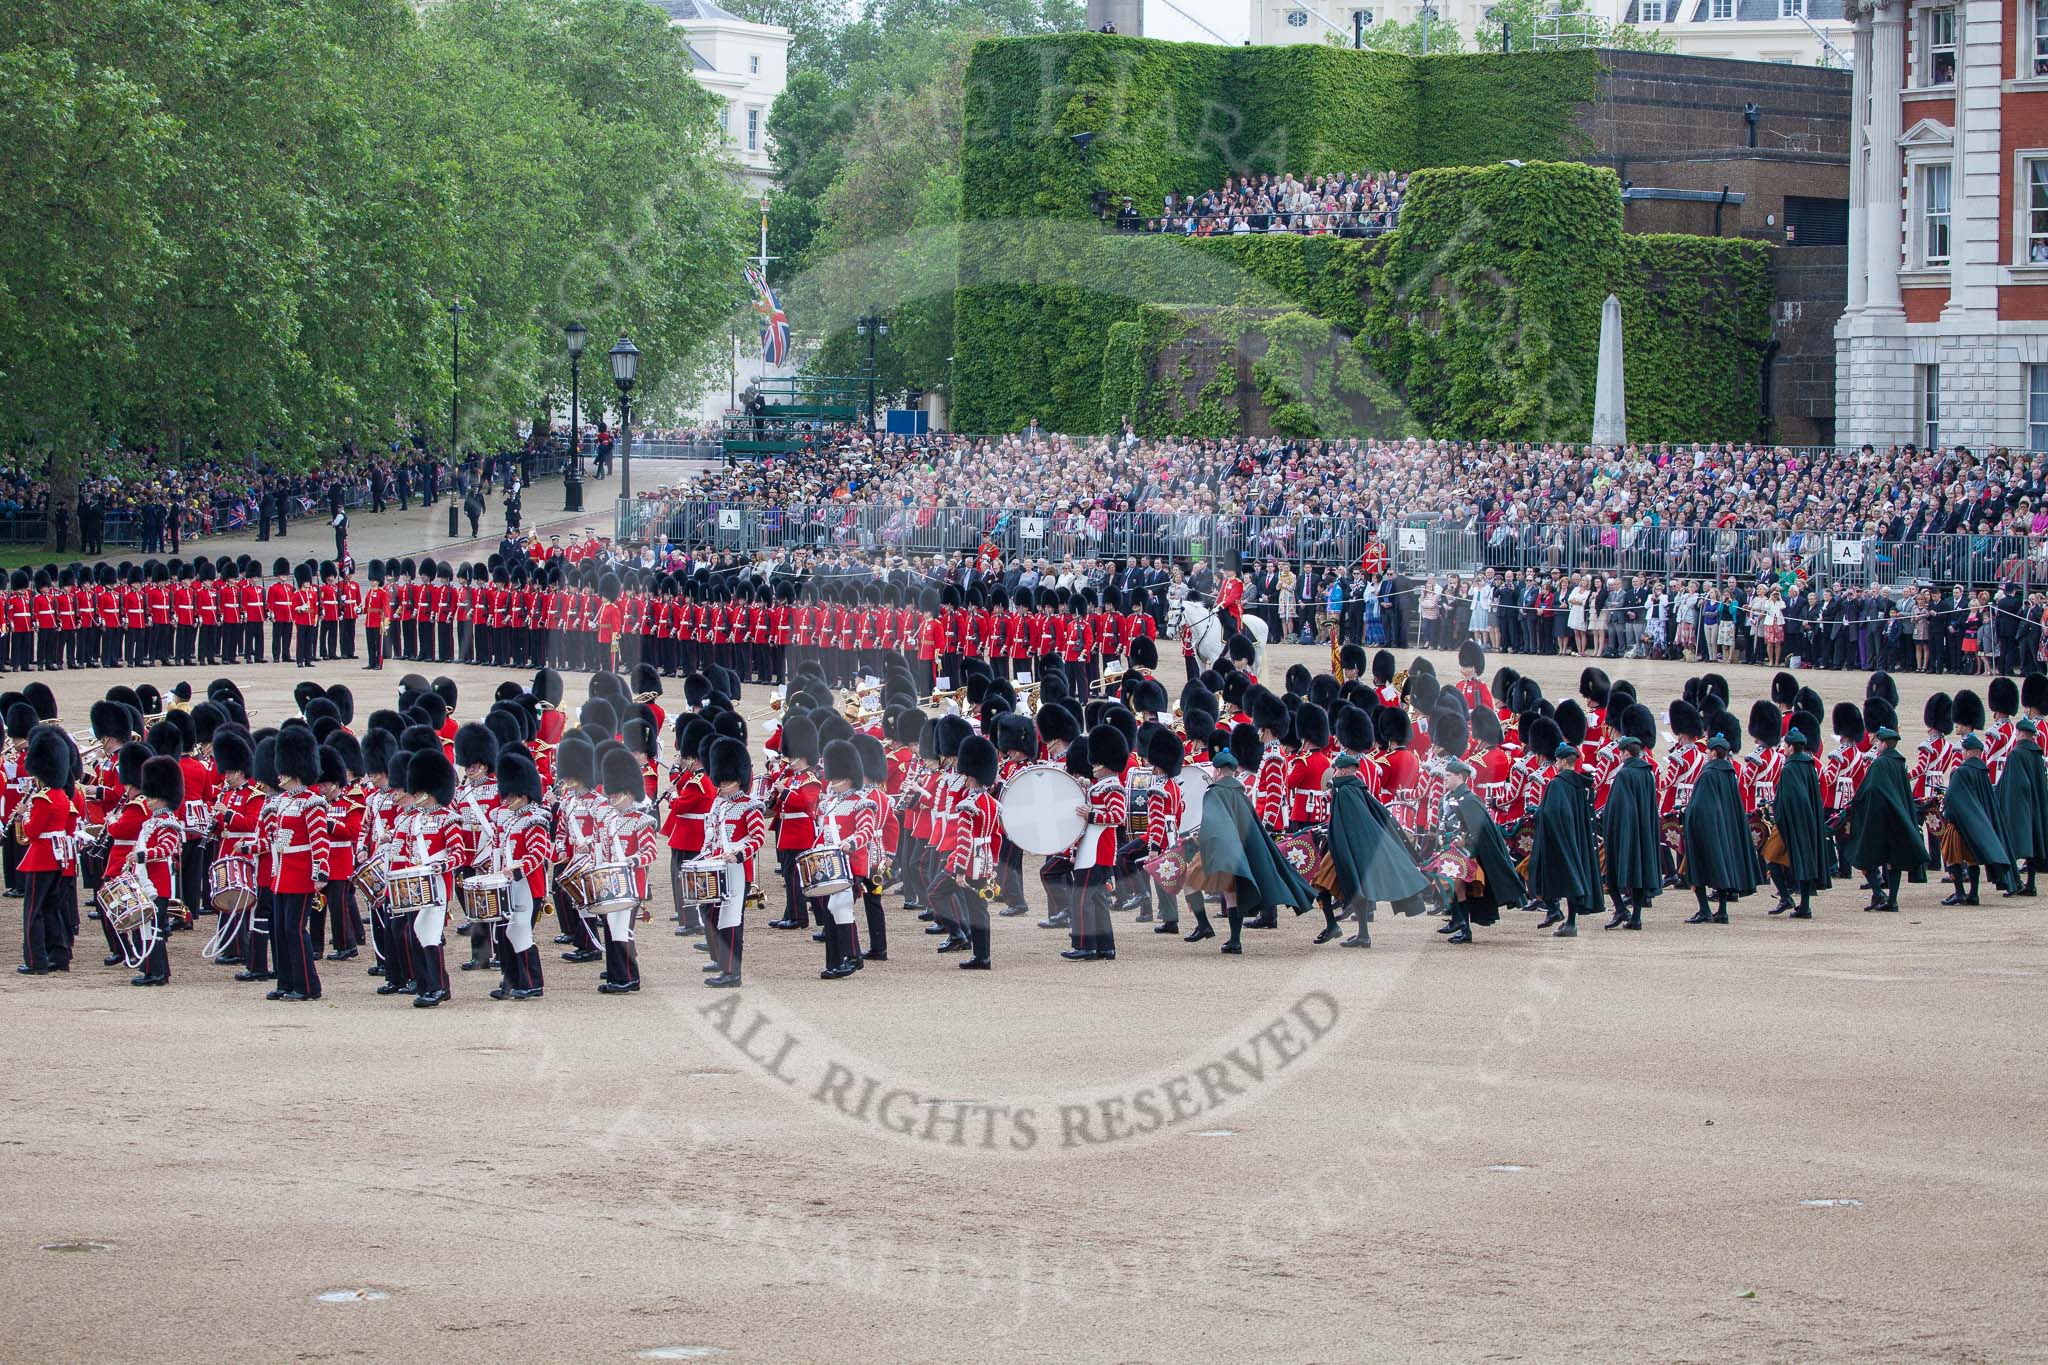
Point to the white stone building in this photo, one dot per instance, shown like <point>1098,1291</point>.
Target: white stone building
<point>1945,339</point>
<point>1797,32</point>
<point>746,65</point>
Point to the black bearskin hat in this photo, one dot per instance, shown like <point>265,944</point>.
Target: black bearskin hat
<point>232,751</point>
<point>1144,653</point>
<point>1881,685</point>
<point>1879,714</point>
<point>1486,728</point>
<point>842,762</point>
<point>1685,720</point>
<point>1571,722</point>
<point>622,773</point>
<point>164,780</point>
<point>2003,696</point>
<point>1163,751</point>
<point>1448,731</point>
<point>1353,726</point>
<point>1939,714</point>
<point>576,761</point>
<point>2034,691</point>
<point>1784,689</point>
<point>1246,748</point>
<point>1969,710</point>
<point>1638,722</point>
<point>49,756</point>
<point>298,754</point>
<point>1848,721</point>
<point>977,759</point>
<point>1108,747</point>
<point>728,761</point>
<point>431,771</point>
<point>1766,722</point>
<point>1471,656</point>
<point>475,744</point>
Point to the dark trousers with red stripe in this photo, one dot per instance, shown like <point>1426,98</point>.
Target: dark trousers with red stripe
<point>255,951</point>
<point>295,970</point>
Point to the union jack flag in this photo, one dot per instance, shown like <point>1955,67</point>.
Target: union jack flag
<point>774,322</point>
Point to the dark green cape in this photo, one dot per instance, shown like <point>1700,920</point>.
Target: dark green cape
<point>1563,865</point>
<point>1233,841</point>
<point>1719,853</point>
<point>1480,837</point>
<point>2023,801</point>
<point>1797,811</point>
<point>1629,824</point>
<point>1972,807</point>
<point>1372,861</point>
<point>1878,828</point>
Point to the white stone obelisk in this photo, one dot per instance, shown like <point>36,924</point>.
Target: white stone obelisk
<point>1610,404</point>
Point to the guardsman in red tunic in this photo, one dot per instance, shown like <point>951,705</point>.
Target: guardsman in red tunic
<point>626,836</point>
<point>157,597</point>
<point>689,803</point>
<point>794,805</point>
<point>1105,809</point>
<point>184,620</point>
<point>294,834</point>
<point>847,817</point>
<point>43,606</point>
<point>236,818</point>
<point>107,610</point>
<point>735,832</point>
<point>351,608</point>
<point>522,844</point>
<point>158,841</point>
<point>341,772</point>
<point>277,606</point>
<point>252,610</point>
<point>67,618</point>
<point>439,841</point>
<point>376,611</point>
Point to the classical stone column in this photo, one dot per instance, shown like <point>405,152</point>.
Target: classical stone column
<point>1859,185</point>
<point>1973,272</point>
<point>1886,202</point>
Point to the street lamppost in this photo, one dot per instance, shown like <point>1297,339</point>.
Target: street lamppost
<point>625,358</point>
<point>871,326</point>
<point>455,311</point>
<point>572,480</point>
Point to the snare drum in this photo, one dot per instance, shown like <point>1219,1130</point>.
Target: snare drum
<point>125,903</point>
<point>487,899</point>
<point>616,887</point>
<point>700,881</point>
<point>413,889</point>
<point>231,885</point>
<point>576,887</point>
<point>369,879</point>
<point>1139,812</point>
<point>824,871</point>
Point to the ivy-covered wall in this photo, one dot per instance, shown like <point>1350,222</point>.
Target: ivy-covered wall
<point>1478,317</point>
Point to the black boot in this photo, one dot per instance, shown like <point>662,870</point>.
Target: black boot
<point>1955,875</point>
<point>1363,938</point>
<point>1235,945</point>
<point>1203,929</point>
<point>1720,908</point>
<point>1701,915</point>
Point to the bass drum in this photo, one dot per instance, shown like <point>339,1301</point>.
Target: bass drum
<point>1040,809</point>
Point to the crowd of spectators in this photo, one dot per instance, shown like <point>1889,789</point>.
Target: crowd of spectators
<point>1718,552</point>
<point>1551,505</point>
<point>1348,204</point>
